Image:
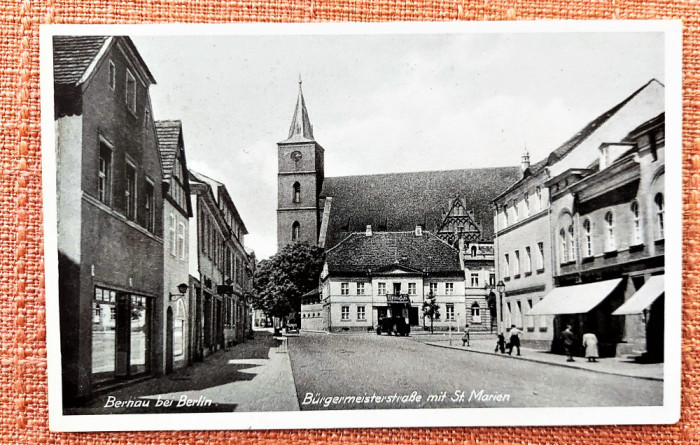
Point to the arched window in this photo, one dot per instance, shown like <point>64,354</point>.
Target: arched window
<point>636,224</point>
<point>610,232</point>
<point>587,241</point>
<point>296,227</point>
<point>572,244</point>
<point>296,194</point>
<point>476,313</point>
<point>563,254</point>
<point>473,251</point>
<point>659,204</point>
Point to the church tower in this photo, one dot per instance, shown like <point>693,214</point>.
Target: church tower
<point>299,181</point>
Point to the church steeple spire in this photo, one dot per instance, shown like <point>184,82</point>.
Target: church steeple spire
<point>301,129</point>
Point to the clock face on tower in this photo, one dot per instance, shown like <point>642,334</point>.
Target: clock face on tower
<point>296,156</point>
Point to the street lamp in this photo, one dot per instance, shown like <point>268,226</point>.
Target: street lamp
<point>182,288</point>
<point>501,288</point>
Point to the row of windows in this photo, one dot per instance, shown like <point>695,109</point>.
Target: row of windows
<point>513,315</point>
<point>382,289</point>
<point>567,239</point>
<point>521,209</point>
<point>512,268</point>
<point>214,246</point>
<point>105,188</point>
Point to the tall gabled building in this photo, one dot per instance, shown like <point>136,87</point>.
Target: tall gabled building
<point>110,222</point>
<point>177,211</point>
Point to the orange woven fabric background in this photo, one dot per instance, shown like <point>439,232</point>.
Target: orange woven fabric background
<point>23,387</point>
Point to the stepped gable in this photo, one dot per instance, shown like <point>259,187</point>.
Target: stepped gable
<point>168,134</point>
<point>359,253</point>
<point>400,201</point>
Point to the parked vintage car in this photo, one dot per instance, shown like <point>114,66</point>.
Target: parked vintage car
<point>393,325</point>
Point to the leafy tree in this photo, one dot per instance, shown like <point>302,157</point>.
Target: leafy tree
<point>280,281</point>
<point>431,310</point>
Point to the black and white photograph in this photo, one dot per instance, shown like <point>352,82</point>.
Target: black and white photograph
<point>338,225</point>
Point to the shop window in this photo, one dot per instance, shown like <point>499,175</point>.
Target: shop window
<point>138,362</point>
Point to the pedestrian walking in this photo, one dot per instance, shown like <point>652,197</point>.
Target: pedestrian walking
<point>514,340</point>
<point>568,339</point>
<point>590,342</point>
<point>465,337</point>
<point>501,343</point>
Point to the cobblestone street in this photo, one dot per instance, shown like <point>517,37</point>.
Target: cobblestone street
<point>368,365</point>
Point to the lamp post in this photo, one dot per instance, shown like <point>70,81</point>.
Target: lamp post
<point>501,288</point>
<point>490,304</point>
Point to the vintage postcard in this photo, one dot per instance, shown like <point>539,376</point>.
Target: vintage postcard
<point>362,225</point>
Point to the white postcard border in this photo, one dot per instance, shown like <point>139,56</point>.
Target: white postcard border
<point>668,413</point>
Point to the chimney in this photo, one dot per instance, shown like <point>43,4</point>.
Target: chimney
<point>525,161</point>
<point>368,230</point>
<point>419,230</point>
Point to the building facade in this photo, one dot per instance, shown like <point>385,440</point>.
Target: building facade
<point>177,210</point>
<point>528,225</point>
<point>219,268</point>
<point>374,275</point>
<point>110,221</point>
<point>608,223</point>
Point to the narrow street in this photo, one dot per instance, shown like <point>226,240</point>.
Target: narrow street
<point>366,366</point>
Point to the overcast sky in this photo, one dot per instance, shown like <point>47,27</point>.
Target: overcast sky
<point>385,103</point>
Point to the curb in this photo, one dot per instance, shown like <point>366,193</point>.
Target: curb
<point>563,365</point>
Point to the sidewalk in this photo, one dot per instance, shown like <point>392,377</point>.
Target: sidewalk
<point>252,376</point>
<point>615,365</point>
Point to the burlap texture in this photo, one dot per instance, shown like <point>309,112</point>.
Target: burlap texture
<point>23,388</point>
